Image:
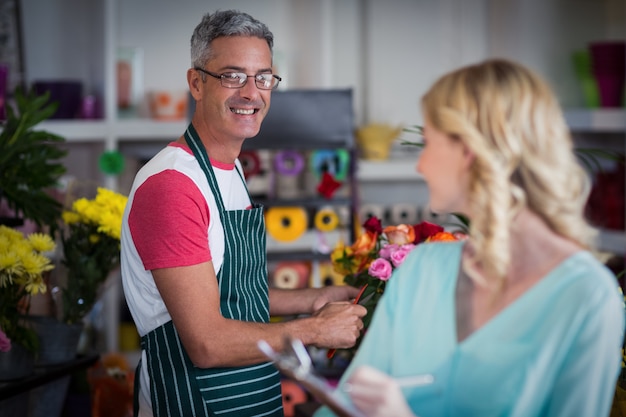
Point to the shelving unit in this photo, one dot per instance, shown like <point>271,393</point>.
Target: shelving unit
<point>307,121</point>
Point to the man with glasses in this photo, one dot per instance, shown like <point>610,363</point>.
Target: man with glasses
<point>193,248</point>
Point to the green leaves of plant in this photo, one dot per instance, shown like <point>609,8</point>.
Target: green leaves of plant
<point>30,159</point>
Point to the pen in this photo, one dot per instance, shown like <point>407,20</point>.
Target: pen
<point>415,380</point>
<point>403,382</point>
<point>331,352</point>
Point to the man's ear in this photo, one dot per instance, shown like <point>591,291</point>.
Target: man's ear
<point>194,80</point>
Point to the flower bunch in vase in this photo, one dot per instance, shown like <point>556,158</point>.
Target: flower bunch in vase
<point>370,261</point>
<point>23,263</point>
<point>91,250</point>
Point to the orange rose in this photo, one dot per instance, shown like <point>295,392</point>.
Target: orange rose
<point>365,243</point>
<point>441,237</point>
<point>400,234</point>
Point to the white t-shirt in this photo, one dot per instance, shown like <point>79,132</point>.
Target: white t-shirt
<point>171,220</point>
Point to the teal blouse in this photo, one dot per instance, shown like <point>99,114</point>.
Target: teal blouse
<point>555,351</point>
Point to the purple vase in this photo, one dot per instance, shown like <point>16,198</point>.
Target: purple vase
<point>608,60</point>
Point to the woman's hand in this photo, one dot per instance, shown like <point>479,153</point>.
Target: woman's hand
<point>376,394</point>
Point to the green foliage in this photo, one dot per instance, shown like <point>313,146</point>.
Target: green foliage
<point>88,266</point>
<point>29,159</point>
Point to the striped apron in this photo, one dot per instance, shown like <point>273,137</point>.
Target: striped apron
<point>178,388</point>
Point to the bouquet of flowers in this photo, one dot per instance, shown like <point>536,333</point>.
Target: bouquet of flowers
<point>91,249</point>
<point>370,261</point>
<point>22,265</point>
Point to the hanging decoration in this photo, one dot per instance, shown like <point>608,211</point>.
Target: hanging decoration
<point>111,162</point>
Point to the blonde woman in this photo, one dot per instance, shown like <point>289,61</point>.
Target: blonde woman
<point>519,320</point>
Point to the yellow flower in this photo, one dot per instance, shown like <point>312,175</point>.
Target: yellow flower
<point>69,217</point>
<point>35,263</point>
<point>41,242</point>
<point>342,259</point>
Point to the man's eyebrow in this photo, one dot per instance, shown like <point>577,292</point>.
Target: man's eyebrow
<point>232,68</point>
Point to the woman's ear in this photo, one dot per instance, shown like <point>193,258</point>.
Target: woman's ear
<point>468,156</point>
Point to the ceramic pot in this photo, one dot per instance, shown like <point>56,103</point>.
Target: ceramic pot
<point>58,341</point>
<point>16,363</point>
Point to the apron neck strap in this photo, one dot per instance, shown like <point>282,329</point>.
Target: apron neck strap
<point>196,146</point>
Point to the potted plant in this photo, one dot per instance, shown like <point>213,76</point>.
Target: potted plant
<point>29,167</point>
<point>91,250</point>
<point>30,161</point>
<point>23,262</point>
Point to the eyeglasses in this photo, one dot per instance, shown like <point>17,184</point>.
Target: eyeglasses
<point>239,79</point>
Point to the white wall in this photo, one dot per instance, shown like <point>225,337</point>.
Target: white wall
<point>389,51</point>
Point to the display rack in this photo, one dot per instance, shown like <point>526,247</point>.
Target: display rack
<point>309,121</point>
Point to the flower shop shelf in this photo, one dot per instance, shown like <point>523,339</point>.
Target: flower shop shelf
<point>126,129</point>
<point>598,120</point>
<point>305,202</point>
<point>45,374</point>
<point>393,169</point>
<point>613,241</point>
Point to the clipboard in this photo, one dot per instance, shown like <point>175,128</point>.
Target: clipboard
<point>294,362</point>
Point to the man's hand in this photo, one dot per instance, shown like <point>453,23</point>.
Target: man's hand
<point>334,293</point>
<point>341,324</point>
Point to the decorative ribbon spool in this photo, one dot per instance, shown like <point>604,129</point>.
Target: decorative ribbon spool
<point>403,214</point>
<point>291,275</point>
<point>328,276</point>
<point>250,162</point>
<point>288,165</point>
<point>335,162</point>
<point>326,219</point>
<point>286,224</point>
<point>293,394</point>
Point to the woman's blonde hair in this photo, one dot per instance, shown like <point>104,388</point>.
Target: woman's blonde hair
<point>511,121</point>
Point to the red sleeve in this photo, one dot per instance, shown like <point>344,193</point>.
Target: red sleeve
<point>168,221</point>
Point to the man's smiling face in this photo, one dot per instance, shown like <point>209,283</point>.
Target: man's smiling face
<point>236,113</point>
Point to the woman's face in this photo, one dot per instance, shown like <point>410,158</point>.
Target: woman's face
<point>444,163</point>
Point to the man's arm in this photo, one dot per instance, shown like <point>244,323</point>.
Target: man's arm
<point>285,302</point>
<point>192,297</point>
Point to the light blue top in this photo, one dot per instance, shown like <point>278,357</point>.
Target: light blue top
<point>555,351</point>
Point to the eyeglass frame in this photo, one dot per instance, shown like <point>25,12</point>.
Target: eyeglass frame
<point>222,76</point>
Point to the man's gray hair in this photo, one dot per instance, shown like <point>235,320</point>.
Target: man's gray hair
<point>224,23</point>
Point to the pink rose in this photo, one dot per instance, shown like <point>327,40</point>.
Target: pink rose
<point>381,269</point>
<point>5,342</point>
<point>387,250</point>
<point>398,256</point>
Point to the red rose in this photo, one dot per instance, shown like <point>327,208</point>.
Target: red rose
<point>424,230</point>
<point>373,225</point>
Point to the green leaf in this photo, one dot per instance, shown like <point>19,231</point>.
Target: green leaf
<point>31,160</point>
